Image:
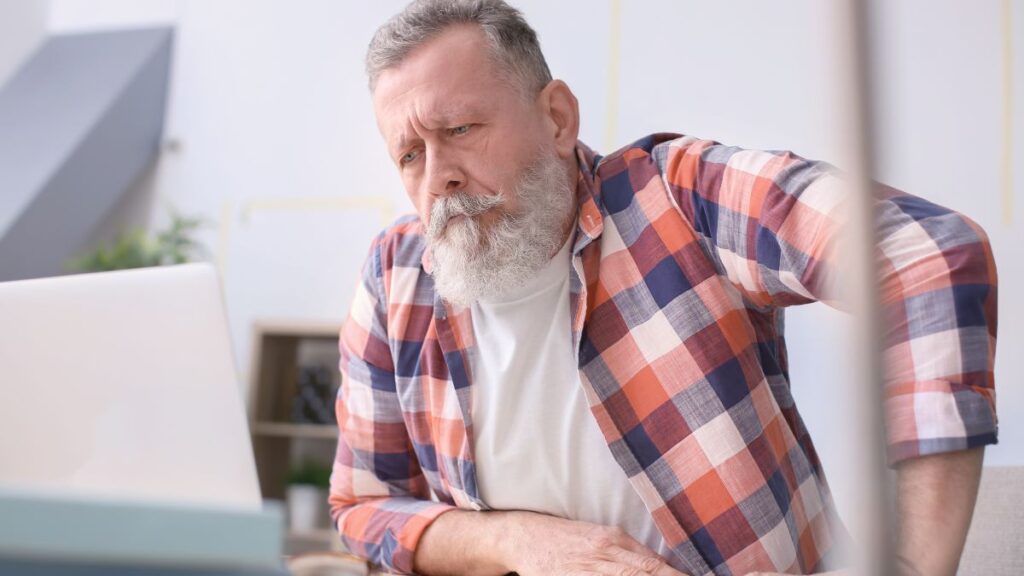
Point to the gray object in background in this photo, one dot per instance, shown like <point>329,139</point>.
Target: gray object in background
<point>995,543</point>
<point>79,123</point>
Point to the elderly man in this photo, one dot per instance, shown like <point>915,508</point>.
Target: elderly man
<point>573,364</point>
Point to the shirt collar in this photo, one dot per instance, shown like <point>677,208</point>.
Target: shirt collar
<point>590,222</point>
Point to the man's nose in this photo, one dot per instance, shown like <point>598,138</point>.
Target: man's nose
<point>444,175</point>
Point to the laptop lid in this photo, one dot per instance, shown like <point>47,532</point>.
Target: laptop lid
<point>122,385</point>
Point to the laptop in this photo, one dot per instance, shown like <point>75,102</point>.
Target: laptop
<point>119,398</point>
<point>122,384</point>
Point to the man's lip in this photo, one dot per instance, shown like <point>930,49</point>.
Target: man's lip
<point>462,215</point>
<point>453,220</point>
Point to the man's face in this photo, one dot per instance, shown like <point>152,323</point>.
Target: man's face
<point>478,161</point>
<point>451,123</point>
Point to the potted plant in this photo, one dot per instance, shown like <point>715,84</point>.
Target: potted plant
<point>307,496</point>
<point>173,245</point>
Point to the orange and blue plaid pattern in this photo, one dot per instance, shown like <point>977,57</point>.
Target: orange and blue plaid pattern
<point>685,254</point>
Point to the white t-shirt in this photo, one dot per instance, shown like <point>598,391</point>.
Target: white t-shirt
<point>537,446</point>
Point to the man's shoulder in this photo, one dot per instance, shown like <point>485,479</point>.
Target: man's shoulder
<point>626,172</point>
<point>643,148</point>
<point>653,146</point>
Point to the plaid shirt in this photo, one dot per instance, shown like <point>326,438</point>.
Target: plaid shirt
<point>685,253</point>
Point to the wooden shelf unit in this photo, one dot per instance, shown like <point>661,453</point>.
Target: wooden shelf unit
<point>276,438</point>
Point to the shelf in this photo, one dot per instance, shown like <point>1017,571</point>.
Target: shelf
<point>290,356</point>
<point>314,541</point>
<point>322,535</point>
<point>298,328</point>
<point>322,431</point>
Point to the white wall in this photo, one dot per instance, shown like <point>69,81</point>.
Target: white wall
<point>278,145</point>
<point>77,15</point>
<point>22,26</point>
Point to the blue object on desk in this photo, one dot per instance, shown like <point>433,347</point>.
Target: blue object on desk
<point>43,534</point>
<point>45,568</point>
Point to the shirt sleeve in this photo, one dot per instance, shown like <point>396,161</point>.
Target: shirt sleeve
<point>772,222</point>
<point>378,496</point>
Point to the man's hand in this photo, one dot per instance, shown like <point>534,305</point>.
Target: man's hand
<point>544,545</point>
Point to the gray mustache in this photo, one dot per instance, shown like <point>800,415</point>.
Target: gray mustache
<point>459,203</point>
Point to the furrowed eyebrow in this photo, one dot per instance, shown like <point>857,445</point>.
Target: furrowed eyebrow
<point>404,142</point>
<point>445,118</point>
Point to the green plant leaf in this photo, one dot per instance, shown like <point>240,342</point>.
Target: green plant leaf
<point>310,473</point>
<point>134,249</point>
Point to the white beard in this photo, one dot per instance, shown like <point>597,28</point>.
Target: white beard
<point>470,263</point>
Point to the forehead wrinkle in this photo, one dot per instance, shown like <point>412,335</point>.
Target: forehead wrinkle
<point>448,113</point>
<point>418,123</point>
<point>424,115</point>
<point>409,131</point>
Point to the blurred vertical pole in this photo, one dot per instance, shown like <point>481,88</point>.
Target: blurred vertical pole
<point>871,526</point>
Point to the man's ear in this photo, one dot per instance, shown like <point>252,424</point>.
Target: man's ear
<point>562,117</point>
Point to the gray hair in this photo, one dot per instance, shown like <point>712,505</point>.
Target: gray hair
<point>513,42</point>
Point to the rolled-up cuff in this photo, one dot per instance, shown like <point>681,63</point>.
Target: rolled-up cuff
<point>936,416</point>
<point>387,531</point>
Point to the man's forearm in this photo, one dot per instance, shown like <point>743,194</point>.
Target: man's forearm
<point>936,497</point>
<point>531,544</point>
<point>462,542</point>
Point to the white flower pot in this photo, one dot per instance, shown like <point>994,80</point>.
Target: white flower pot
<point>307,508</point>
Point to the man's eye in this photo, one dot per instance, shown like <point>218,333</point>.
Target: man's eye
<point>459,130</point>
<point>407,158</point>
